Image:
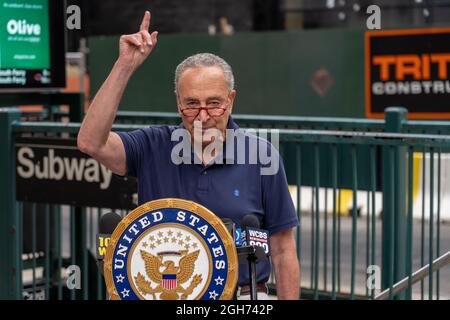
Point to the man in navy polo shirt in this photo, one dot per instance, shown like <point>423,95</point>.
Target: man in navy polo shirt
<point>204,88</point>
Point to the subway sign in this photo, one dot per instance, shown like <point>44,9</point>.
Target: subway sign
<point>53,170</point>
<point>408,68</point>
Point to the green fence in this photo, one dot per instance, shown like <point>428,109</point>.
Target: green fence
<point>374,162</point>
<point>53,113</point>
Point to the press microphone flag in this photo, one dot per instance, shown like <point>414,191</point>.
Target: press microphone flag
<point>234,231</point>
<point>108,222</point>
<point>252,235</point>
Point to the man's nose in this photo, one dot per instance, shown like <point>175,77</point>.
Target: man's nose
<point>203,115</point>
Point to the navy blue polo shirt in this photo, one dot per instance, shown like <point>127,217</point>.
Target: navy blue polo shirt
<point>229,190</point>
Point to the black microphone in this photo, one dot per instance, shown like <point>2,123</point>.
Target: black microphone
<point>250,220</point>
<point>108,222</point>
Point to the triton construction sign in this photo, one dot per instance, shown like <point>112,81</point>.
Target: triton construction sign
<point>408,68</point>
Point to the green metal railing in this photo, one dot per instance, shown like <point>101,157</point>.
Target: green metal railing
<point>335,250</point>
<point>436,265</point>
<point>397,151</point>
<point>54,113</point>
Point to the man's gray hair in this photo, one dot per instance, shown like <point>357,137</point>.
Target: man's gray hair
<point>205,60</point>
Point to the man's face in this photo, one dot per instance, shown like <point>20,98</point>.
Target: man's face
<point>204,88</point>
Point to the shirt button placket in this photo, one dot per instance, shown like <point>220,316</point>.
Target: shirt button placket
<point>203,181</point>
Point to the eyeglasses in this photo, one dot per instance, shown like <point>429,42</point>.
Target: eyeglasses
<point>194,112</point>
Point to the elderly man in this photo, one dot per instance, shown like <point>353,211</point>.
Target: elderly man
<point>204,88</point>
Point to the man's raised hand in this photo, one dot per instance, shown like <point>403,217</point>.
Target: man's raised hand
<point>135,48</point>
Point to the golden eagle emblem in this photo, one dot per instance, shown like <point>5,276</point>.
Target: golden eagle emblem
<point>168,280</point>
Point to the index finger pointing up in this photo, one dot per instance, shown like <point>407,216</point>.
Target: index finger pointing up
<point>145,24</point>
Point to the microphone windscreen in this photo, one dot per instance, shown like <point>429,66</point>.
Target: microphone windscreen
<point>250,221</point>
<point>109,222</point>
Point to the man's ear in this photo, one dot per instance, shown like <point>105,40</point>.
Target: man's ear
<point>231,97</point>
<point>178,102</point>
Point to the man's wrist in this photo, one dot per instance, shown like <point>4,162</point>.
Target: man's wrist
<point>125,69</point>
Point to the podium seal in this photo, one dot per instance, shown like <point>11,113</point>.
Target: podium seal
<point>171,249</point>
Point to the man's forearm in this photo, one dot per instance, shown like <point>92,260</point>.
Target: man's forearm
<point>97,124</point>
<point>287,276</point>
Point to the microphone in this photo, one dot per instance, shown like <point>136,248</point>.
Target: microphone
<point>250,220</point>
<point>252,235</point>
<point>108,222</point>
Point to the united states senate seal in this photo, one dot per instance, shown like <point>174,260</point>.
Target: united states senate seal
<point>171,249</point>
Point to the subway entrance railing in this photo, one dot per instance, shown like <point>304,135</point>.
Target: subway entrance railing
<point>372,200</point>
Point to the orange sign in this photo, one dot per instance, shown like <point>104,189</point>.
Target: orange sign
<point>408,68</point>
